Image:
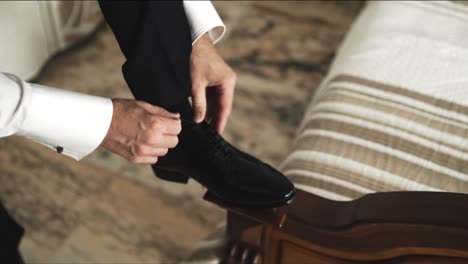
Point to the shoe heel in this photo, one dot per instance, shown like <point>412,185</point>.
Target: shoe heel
<point>210,197</point>
<point>170,175</point>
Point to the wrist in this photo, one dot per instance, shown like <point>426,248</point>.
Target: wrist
<point>205,38</point>
<point>203,41</point>
<point>106,142</point>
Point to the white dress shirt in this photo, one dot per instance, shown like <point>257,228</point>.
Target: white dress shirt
<point>73,123</point>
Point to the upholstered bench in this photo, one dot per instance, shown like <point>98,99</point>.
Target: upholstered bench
<point>390,116</point>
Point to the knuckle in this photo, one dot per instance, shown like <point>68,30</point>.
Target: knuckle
<point>134,159</point>
<point>133,152</point>
<point>232,76</point>
<point>164,151</point>
<point>179,127</point>
<point>157,127</point>
<point>138,150</point>
<point>146,120</point>
<point>154,138</point>
<point>156,123</point>
<point>197,84</point>
<point>175,142</point>
<point>145,137</point>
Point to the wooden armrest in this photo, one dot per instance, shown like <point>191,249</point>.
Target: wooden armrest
<point>376,227</point>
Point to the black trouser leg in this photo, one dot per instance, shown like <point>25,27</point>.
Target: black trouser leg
<point>10,237</point>
<point>155,39</point>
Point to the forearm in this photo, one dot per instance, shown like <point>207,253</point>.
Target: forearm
<point>73,122</point>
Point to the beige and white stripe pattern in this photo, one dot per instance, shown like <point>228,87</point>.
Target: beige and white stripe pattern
<point>361,136</point>
<point>392,114</point>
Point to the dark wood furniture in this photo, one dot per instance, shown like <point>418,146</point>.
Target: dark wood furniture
<point>394,227</point>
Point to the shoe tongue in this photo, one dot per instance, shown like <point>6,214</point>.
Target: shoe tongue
<point>202,127</point>
<point>187,123</point>
<point>191,124</point>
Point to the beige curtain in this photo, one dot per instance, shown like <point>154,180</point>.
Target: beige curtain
<point>33,31</point>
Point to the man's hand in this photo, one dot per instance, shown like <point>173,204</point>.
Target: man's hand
<point>213,83</point>
<point>141,132</point>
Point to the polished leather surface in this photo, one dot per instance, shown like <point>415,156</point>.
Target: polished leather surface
<point>231,175</point>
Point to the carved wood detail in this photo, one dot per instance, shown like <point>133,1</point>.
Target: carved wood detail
<point>399,227</point>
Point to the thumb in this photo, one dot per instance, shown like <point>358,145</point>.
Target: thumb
<point>199,102</point>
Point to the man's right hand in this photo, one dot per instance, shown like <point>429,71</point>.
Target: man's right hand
<point>141,132</point>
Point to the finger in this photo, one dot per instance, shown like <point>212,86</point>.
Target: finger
<point>148,160</point>
<point>161,152</point>
<point>147,150</point>
<point>171,126</point>
<point>154,124</point>
<point>143,159</point>
<point>199,102</point>
<point>169,141</point>
<point>225,106</point>
<point>153,109</point>
<point>168,114</point>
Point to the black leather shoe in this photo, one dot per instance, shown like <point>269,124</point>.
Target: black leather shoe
<point>234,177</point>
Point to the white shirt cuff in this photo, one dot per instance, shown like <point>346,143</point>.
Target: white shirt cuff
<point>69,122</point>
<point>203,18</point>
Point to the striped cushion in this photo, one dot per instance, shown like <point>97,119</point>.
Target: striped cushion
<point>364,136</point>
<point>392,114</point>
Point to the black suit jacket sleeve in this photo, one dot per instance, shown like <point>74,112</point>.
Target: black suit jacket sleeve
<point>155,39</point>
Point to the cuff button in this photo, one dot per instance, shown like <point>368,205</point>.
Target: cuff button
<point>59,150</point>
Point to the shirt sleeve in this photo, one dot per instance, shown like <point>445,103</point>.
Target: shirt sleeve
<point>203,18</point>
<point>71,123</point>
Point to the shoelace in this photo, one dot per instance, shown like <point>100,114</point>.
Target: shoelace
<point>217,142</point>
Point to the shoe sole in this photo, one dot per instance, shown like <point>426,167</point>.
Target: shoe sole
<point>211,197</point>
<point>170,176</point>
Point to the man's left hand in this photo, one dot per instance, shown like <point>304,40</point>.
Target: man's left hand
<point>213,83</point>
